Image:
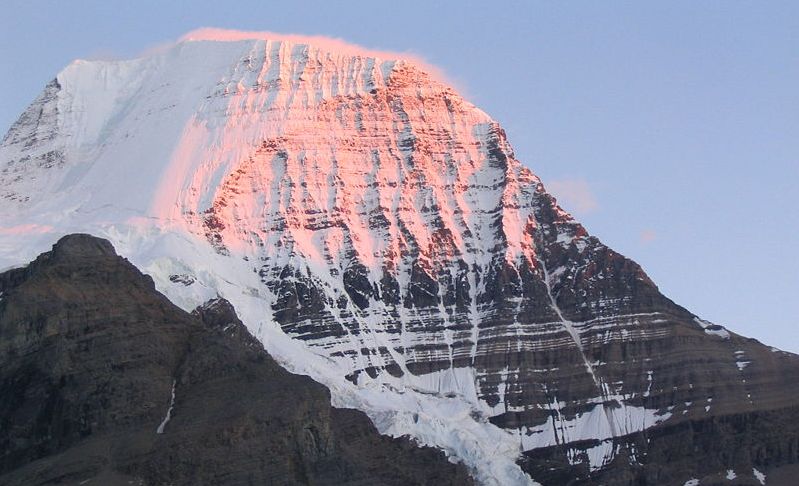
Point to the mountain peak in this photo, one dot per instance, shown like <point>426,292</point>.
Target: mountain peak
<point>330,45</point>
<point>83,245</point>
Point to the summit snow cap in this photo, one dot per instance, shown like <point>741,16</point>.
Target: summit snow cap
<point>330,44</point>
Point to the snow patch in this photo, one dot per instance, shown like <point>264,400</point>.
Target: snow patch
<point>600,455</point>
<point>603,421</point>
<point>713,329</point>
<point>168,416</point>
<point>759,476</point>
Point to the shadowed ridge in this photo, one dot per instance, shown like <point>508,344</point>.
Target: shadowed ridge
<point>82,245</point>
<point>102,379</point>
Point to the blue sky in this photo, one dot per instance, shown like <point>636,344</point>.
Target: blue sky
<point>670,129</point>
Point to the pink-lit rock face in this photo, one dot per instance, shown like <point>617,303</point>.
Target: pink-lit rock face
<point>396,164</point>
<point>374,186</point>
<point>381,220</point>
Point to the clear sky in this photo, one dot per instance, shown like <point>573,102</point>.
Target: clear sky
<point>670,129</point>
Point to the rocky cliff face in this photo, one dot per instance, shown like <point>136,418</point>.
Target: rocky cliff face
<point>104,381</point>
<point>363,208</point>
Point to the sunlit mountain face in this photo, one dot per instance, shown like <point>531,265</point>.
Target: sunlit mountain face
<point>375,231</point>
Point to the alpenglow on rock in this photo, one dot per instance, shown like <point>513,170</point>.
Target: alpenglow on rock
<point>375,231</point>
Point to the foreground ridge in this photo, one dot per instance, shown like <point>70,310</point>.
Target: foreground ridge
<point>90,353</point>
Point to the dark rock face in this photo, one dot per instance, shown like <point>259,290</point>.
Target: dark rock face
<point>104,381</point>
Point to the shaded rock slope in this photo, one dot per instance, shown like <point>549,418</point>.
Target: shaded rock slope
<point>104,381</point>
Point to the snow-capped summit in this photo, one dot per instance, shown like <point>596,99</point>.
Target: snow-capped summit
<point>376,231</point>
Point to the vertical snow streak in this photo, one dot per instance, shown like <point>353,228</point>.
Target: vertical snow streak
<point>568,325</point>
<point>575,335</point>
<point>168,416</point>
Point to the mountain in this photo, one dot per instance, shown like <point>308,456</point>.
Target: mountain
<point>104,381</point>
<point>375,231</point>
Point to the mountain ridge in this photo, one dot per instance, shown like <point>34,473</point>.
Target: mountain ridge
<point>376,231</point>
